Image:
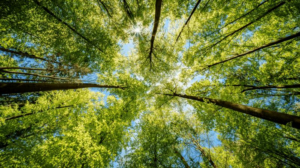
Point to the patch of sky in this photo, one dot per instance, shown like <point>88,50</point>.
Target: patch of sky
<point>126,48</point>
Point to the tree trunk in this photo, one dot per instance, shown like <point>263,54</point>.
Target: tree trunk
<point>256,49</point>
<point>273,116</point>
<point>244,15</point>
<point>6,88</point>
<point>270,87</point>
<point>27,114</point>
<point>33,74</point>
<point>187,21</point>
<point>25,54</point>
<point>248,24</point>
<point>66,24</point>
<point>25,68</point>
<point>186,165</point>
<point>158,4</point>
<point>204,153</point>
<point>104,6</point>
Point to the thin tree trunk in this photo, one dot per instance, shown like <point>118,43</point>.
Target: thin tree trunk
<point>25,68</point>
<point>44,76</point>
<point>6,88</point>
<point>256,49</point>
<point>270,87</point>
<point>27,114</point>
<point>66,24</point>
<point>25,54</point>
<point>186,165</point>
<point>244,15</point>
<point>204,153</point>
<point>27,80</point>
<point>248,24</point>
<point>158,5</point>
<point>128,10</point>
<point>273,116</point>
<point>187,21</point>
<point>104,6</point>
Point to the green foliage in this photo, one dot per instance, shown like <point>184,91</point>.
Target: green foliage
<point>229,50</point>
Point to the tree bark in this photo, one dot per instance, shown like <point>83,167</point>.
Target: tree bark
<point>269,115</point>
<point>7,88</point>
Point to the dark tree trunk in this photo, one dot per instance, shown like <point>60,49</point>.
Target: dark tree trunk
<point>187,21</point>
<point>7,88</point>
<point>269,115</point>
<point>158,5</point>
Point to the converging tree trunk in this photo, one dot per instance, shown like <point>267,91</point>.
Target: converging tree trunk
<point>271,87</point>
<point>186,165</point>
<point>158,4</point>
<point>66,24</point>
<point>187,21</point>
<point>256,49</point>
<point>204,153</point>
<point>27,114</point>
<point>269,115</point>
<point>248,24</point>
<point>6,88</point>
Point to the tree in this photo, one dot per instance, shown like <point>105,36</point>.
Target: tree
<point>205,83</point>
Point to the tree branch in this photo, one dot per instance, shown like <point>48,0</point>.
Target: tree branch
<point>272,86</point>
<point>256,49</point>
<point>248,24</point>
<point>66,24</point>
<point>187,21</point>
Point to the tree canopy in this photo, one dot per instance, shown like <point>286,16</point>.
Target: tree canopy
<point>205,83</point>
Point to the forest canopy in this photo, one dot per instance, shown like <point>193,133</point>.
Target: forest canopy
<point>162,83</point>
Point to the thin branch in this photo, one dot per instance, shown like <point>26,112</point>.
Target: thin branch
<point>187,21</point>
<point>104,6</point>
<point>256,49</point>
<point>25,54</point>
<point>66,24</point>
<point>28,80</point>
<point>244,15</point>
<point>186,165</point>
<point>270,87</point>
<point>25,68</point>
<point>248,24</point>
<point>203,152</point>
<point>44,76</point>
<point>27,114</point>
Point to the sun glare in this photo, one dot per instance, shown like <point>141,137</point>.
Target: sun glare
<point>137,30</point>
